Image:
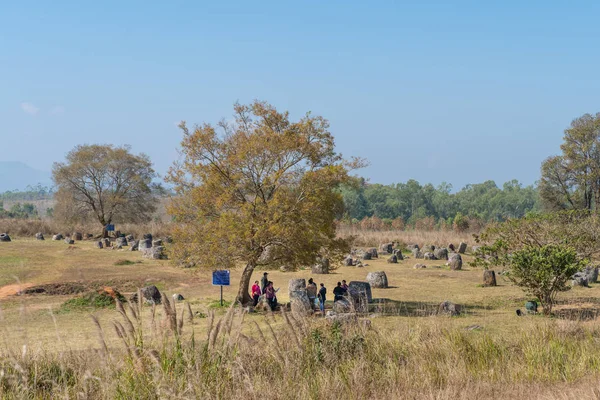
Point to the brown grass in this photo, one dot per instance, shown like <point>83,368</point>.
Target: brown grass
<point>295,358</point>
<point>369,238</point>
<point>145,352</point>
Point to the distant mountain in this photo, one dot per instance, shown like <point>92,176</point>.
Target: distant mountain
<point>15,175</point>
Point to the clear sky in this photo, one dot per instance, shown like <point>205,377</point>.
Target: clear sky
<point>450,91</point>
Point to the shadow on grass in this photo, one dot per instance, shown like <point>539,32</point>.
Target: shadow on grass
<point>577,309</point>
<point>416,308</point>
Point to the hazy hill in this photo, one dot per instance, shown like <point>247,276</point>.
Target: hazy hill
<point>15,175</point>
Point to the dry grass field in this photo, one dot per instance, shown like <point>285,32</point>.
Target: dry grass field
<point>488,352</point>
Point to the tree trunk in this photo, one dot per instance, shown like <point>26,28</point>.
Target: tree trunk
<point>243,297</point>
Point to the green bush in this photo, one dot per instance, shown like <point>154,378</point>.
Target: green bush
<point>544,271</point>
<point>92,300</point>
<point>125,262</point>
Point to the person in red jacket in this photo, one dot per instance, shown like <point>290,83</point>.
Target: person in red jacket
<point>256,292</point>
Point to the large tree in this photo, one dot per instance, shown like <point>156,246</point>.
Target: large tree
<point>572,180</point>
<point>106,184</point>
<point>261,190</point>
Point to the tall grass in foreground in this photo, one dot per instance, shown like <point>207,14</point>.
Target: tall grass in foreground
<point>283,356</point>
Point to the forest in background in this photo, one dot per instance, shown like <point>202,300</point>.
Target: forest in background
<point>378,206</point>
<point>412,204</point>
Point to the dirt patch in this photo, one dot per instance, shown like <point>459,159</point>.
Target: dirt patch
<point>12,290</point>
<point>54,289</point>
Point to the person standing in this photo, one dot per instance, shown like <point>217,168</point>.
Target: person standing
<point>264,282</point>
<point>338,292</point>
<point>270,295</point>
<point>311,291</point>
<point>344,286</point>
<point>256,292</point>
<point>322,297</point>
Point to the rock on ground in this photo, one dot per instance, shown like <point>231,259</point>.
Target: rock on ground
<point>591,272</point>
<point>387,248</point>
<point>449,308</point>
<point>321,267</point>
<point>580,279</point>
<point>489,278</point>
<point>398,254</point>
<point>151,295</point>
<point>441,253</point>
<point>455,261</point>
<point>360,290</point>
<point>417,253</point>
<point>300,303</point>
<point>296,284</point>
<point>377,279</point>
<point>178,297</point>
<point>154,253</point>
<point>342,306</point>
<point>144,244</point>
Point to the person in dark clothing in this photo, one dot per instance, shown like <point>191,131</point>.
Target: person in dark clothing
<point>338,292</point>
<point>264,282</point>
<point>270,295</point>
<point>344,285</point>
<point>322,297</point>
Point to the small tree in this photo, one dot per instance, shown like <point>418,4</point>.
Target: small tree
<point>105,183</point>
<point>460,223</point>
<point>263,191</point>
<point>544,271</point>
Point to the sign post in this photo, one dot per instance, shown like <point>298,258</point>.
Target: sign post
<point>221,278</point>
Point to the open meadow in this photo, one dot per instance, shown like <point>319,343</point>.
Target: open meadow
<point>52,346</point>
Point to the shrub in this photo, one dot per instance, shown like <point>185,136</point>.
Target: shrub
<point>544,271</point>
<point>126,262</point>
<point>460,223</point>
<point>92,300</point>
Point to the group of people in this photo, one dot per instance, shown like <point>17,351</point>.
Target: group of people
<point>315,295</point>
<point>266,288</point>
<point>340,291</point>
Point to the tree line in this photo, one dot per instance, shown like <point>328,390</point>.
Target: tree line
<point>410,202</point>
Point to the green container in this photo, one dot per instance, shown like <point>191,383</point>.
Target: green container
<point>531,306</point>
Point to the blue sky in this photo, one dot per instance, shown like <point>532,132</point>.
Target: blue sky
<point>460,92</point>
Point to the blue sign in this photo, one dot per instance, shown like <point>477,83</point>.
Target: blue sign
<point>110,228</point>
<point>221,277</point>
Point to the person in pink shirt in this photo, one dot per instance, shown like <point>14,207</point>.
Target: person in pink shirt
<point>256,292</point>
